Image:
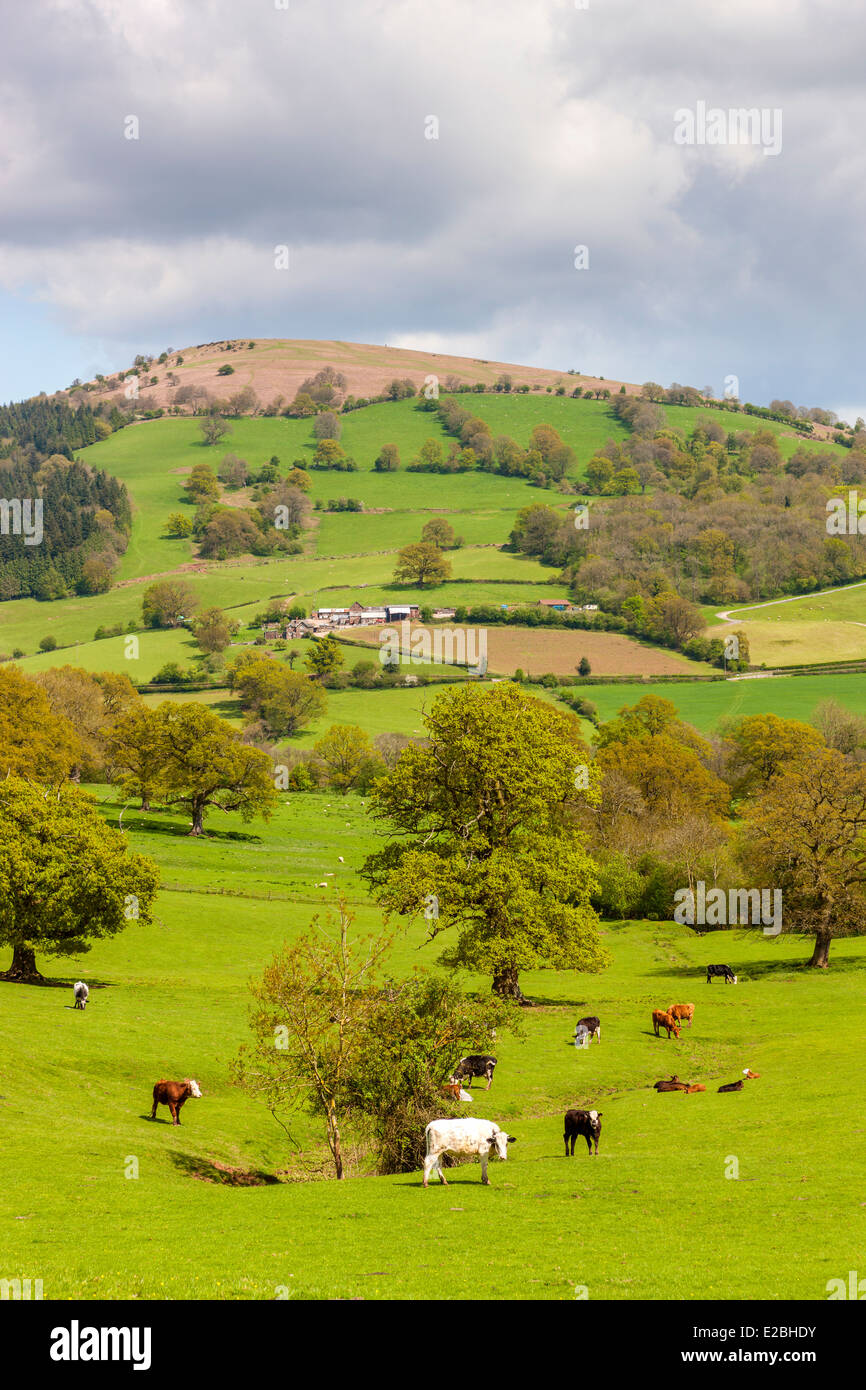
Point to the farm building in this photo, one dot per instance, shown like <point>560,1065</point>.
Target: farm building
<point>357,614</point>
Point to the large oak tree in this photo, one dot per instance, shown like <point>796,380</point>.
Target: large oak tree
<point>806,834</point>
<point>66,876</point>
<point>484,839</point>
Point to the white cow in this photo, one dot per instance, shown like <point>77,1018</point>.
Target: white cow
<point>464,1137</point>
<point>81,993</point>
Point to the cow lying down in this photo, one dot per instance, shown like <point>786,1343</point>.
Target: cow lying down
<point>676,1085</point>
<point>465,1138</point>
<point>738,1085</point>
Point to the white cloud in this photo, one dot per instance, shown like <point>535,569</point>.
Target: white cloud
<point>306,126</point>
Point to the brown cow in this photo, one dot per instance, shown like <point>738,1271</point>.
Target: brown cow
<point>685,1011</point>
<point>664,1020</point>
<point>672,1086</point>
<point>454,1091</point>
<point>751,1075</point>
<point>692,1089</point>
<point>174,1094</point>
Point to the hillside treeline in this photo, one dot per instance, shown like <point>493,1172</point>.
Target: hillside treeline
<point>86,514</point>
<point>48,425</point>
<point>86,517</point>
<point>710,520</point>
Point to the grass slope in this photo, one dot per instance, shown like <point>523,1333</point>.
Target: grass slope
<point>656,1216</point>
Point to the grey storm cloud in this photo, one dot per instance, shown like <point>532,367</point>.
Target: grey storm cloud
<point>261,125</point>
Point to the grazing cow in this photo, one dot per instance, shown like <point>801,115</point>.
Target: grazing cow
<point>585,1122</point>
<point>592,1026</point>
<point>174,1094</point>
<point>751,1075</point>
<point>682,1011</point>
<point>81,993</point>
<point>464,1137</point>
<point>664,1020</point>
<point>469,1067</point>
<point>674,1085</point>
<point>455,1091</point>
<point>724,970</point>
<point>581,1036</point>
<point>733,1086</point>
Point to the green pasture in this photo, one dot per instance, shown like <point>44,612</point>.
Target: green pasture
<point>705,703</point>
<point>245,588</point>
<point>751,1195</point>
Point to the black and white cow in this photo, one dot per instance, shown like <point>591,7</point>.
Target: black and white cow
<point>724,970</point>
<point>470,1067</point>
<point>81,993</point>
<point>591,1025</point>
<point>464,1138</point>
<point>585,1122</point>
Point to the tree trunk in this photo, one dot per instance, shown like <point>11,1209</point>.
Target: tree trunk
<point>145,804</point>
<point>507,986</point>
<point>197,820</point>
<point>23,968</point>
<point>335,1145</point>
<point>821,954</point>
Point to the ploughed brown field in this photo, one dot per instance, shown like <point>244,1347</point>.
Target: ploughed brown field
<point>538,651</point>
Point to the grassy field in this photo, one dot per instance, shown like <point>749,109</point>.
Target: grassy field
<point>825,626</point>
<point>742,1196</point>
<point>705,703</point>
<point>376,712</point>
<point>480,575</point>
<point>702,703</point>
<point>658,1215</point>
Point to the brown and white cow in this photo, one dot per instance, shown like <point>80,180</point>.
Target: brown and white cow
<point>174,1094</point>
<point>661,1019</point>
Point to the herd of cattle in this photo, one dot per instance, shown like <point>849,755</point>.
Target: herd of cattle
<point>484,1139</point>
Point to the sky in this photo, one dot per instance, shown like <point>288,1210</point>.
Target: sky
<point>432,170</point>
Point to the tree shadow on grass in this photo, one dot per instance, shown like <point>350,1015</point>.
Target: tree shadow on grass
<point>222,1174</point>
<point>181,832</point>
<point>751,971</point>
<point>226,708</point>
<point>52,982</point>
